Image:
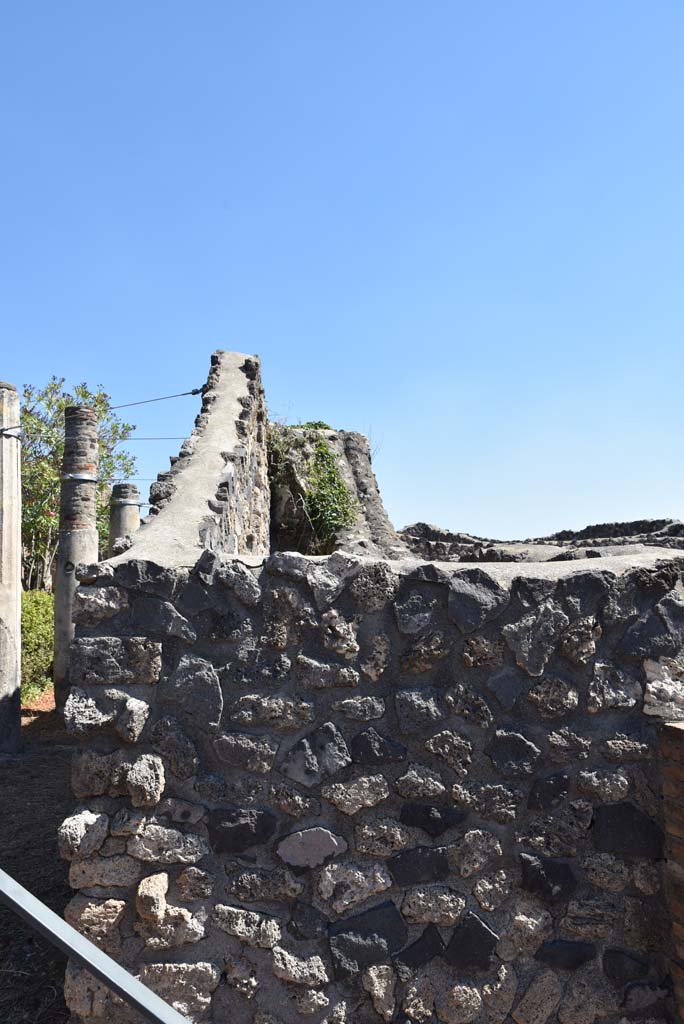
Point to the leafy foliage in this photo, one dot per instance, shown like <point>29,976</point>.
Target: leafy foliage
<point>42,422</point>
<point>329,503</point>
<point>37,628</point>
<point>312,502</point>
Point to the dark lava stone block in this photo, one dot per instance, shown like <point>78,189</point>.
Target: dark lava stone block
<point>234,829</point>
<point>421,864</point>
<point>208,563</point>
<point>168,739</point>
<point>565,954</point>
<point>506,685</point>
<point>413,614</point>
<point>218,625</point>
<point>428,573</point>
<point>416,709</point>
<point>366,938</point>
<point>194,599</point>
<point>306,922</point>
<point>472,945</point>
<point>323,752</point>
<point>424,949</point>
<point>194,688</point>
<point>658,632</point>
<point>147,577</point>
<point>351,953</point>
<point>369,747</point>
<point>551,879</point>
<point>622,966</point>
<point>531,592</point>
<point>475,598</point>
<point>432,819</point>
<point>549,792</point>
<point>154,617</point>
<point>639,995</point>
<point>625,830</point>
<point>512,754</point>
<point>584,590</point>
<point>383,920</point>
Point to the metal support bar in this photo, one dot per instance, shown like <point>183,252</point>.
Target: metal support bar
<point>75,945</point>
<point>87,478</point>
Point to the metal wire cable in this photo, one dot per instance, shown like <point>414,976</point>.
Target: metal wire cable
<point>164,398</point>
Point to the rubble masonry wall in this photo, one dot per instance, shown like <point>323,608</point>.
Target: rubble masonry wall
<point>340,790</point>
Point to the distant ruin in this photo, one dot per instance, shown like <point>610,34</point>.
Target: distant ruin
<point>422,777</point>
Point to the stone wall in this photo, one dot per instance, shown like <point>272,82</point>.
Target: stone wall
<point>341,790</point>
<point>601,541</point>
<point>436,544</point>
<point>672,754</point>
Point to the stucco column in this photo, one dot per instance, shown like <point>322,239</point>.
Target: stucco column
<point>10,570</point>
<point>78,540</point>
<point>124,513</point>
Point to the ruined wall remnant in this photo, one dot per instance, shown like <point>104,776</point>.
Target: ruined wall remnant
<point>601,541</point>
<point>216,494</point>
<point>353,789</point>
<point>369,531</point>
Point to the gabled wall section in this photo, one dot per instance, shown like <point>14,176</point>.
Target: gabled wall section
<point>216,495</point>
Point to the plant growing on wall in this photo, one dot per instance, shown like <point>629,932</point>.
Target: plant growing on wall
<point>42,422</point>
<point>311,500</point>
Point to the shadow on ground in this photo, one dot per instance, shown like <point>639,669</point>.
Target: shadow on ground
<point>35,797</point>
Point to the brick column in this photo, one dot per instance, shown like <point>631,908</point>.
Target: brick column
<point>78,540</point>
<point>124,514</point>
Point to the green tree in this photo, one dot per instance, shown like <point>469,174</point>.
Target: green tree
<point>42,422</point>
<point>37,640</point>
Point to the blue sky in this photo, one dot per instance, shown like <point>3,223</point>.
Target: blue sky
<point>456,227</point>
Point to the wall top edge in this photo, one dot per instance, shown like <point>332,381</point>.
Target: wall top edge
<point>221,352</point>
<point>297,566</point>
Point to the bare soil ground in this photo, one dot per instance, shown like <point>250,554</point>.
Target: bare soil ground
<point>35,797</point>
